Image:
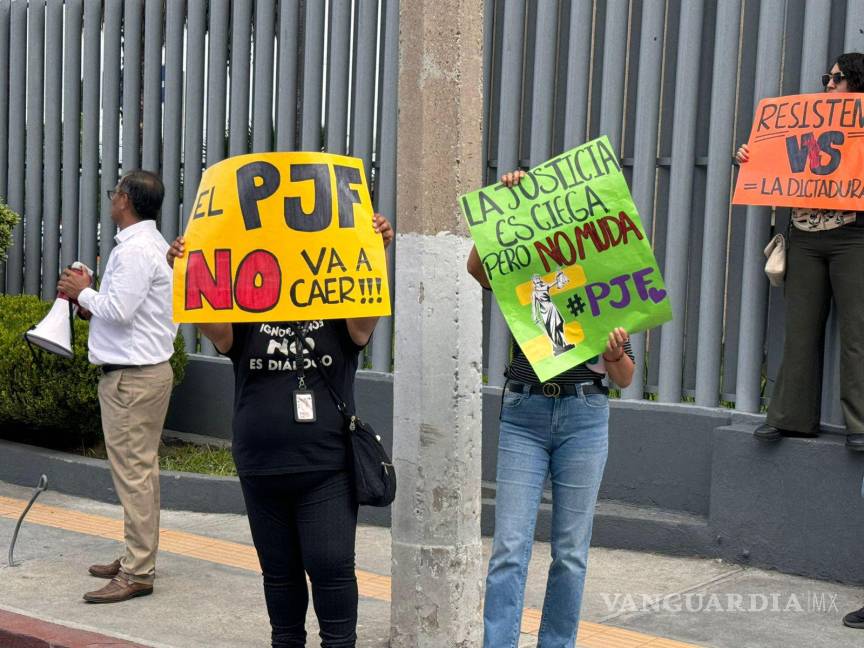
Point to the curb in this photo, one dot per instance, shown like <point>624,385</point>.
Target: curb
<point>19,631</point>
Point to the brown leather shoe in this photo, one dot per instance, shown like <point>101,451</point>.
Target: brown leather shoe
<point>105,571</point>
<point>119,589</point>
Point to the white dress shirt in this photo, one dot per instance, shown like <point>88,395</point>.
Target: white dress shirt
<point>132,314</point>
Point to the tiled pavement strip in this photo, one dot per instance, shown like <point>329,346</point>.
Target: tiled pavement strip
<point>241,556</point>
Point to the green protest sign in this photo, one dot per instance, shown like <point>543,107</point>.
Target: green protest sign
<point>567,257</point>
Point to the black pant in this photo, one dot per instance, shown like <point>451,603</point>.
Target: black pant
<point>821,265</point>
<point>302,524</point>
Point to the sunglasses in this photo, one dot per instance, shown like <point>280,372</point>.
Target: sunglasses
<point>837,77</point>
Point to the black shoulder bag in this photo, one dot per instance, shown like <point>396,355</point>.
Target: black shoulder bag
<point>372,468</point>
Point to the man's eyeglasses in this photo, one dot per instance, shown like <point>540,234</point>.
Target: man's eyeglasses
<point>837,77</point>
<point>111,193</point>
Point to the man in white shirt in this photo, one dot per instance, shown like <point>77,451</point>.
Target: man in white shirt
<point>132,339</point>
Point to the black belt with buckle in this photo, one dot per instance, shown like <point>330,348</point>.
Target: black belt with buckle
<point>108,368</point>
<point>554,390</point>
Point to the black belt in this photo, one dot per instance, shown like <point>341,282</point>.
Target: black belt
<point>554,390</point>
<point>108,368</point>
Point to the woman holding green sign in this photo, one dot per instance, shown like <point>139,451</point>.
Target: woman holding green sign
<point>558,430</point>
<point>824,260</point>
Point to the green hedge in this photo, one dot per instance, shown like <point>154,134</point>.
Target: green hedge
<point>47,393</point>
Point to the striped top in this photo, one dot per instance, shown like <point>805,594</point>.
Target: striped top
<point>520,370</point>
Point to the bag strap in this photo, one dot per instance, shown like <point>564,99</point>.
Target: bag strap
<point>341,405</point>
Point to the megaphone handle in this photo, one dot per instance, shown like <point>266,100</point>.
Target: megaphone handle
<point>36,360</point>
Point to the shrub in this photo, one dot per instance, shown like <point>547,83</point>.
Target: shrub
<point>47,394</point>
<point>8,220</point>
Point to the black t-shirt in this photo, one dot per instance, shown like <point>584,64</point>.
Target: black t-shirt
<point>267,439</point>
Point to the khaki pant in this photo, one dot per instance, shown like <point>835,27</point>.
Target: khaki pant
<point>134,402</point>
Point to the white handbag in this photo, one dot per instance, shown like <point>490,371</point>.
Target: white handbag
<point>775,266</point>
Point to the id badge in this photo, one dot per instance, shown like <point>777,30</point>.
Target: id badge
<point>304,406</point>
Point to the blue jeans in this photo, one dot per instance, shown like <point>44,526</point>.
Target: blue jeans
<point>565,438</point>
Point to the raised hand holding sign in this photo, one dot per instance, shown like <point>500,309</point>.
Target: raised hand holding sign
<point>281,236</point>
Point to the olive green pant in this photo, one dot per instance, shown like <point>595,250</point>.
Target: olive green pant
<point>134,402</point>
<point>819,266</point>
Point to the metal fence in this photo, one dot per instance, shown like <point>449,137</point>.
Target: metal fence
<point>91,88</point>
<point>673,83</point>
<point>94,87</point>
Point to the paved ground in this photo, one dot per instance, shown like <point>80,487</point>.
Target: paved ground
<point>209,592</point>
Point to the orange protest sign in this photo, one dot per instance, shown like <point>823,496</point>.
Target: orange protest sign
<point>281,236</point>
<point>805,151</point>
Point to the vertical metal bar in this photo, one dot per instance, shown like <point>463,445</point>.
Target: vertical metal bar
<point>509,111</point>
<point>832,411</point>
<point>313,63</point>
<point>92,37</point>
<point>595,69</point>
<point>238,130</point>
<point>814,48</point>
<point>262,103</point>
<point>338,67</point>
<point>578,73</point>
<point>216,97</point>
<point>34,171</point>
<point>543,95</point>
<point>152,124</point>
<point>385,180</point>
<point>194,124</point>
<point>132,28</point>
<point>17,127</point>
<point>217,80</point>
<point>51,168</point>
<point>491,125</point>
<point>754,286</point>
<point>172,125</point>
<point>814,61</point>
<point>110,123</point>
<point>680,197</point>
<point>661,198</point>
<point>71,131</point>
<point>748,44</point>
<point>363,99</point>
<point>614,66</point>
<point>490,82</point>
<point>710,336</point>
<point>363,93</point>
<point>645,147</point>
<point>5,8</point>
<point>286,87</point>
<point>854,41</point>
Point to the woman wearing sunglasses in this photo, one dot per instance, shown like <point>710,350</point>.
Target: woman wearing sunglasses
<point>825,259</point>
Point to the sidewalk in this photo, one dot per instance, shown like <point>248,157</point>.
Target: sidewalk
<point>208,591</point>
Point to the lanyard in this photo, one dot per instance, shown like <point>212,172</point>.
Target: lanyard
<point>299,345</point>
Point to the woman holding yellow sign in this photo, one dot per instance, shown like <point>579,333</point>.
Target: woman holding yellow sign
<point>290,449</point>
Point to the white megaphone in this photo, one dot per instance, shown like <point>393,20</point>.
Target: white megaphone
<point>55,332</point>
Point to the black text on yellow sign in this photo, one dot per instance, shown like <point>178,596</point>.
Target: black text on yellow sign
<point>281,236</point>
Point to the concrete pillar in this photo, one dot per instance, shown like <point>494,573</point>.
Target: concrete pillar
<point>437,569</point>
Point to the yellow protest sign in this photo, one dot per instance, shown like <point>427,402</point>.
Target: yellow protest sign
<point>281,236</point>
